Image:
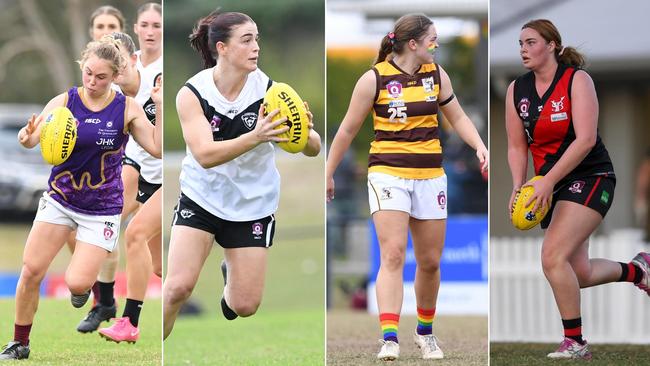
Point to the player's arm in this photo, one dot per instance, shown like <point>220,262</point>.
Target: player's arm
<point>459,119</point>
<point>517,146</point>
<point>198,134</point>
<point>30,135</point>
<point>146,134</point>
<point>313,141</point>
<point>360,104</point>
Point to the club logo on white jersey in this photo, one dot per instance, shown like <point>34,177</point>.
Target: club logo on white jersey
<point>108,230</point>
<point>249,119</point>
<point>186,213</point>
<point>257,230</point>
<point>150,109</point>
<point>557,106</point>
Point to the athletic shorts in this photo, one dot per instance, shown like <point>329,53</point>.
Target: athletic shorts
<point>128,161</point>
<point>596,192</point>
<point>102,231</point>
<point>423,199</point>
<point>229,234</point>
<point>145,190</point>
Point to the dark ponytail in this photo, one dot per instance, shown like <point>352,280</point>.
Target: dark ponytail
<point>216,27</point>
<point>570,56</point>
<point>408,27</point>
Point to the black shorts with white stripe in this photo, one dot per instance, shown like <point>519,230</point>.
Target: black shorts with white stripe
<point>146,190</point>
<point>228,234</point>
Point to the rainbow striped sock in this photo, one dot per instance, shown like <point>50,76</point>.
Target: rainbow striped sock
<point>425,321</point>
<point>389,324</point>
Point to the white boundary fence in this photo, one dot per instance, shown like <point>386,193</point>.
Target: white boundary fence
<point>522,308</point>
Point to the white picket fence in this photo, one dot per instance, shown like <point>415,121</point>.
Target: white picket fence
<point>522,308</point>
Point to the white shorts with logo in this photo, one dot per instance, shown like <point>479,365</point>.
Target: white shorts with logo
<point>423,199</point>
<point>102,231</point>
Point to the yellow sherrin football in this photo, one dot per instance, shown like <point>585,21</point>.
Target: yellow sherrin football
<point>58,136</point>
<point>282,96</point>
<point>523,218</point>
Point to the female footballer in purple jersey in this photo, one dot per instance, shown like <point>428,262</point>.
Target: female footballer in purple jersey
<point>85,192</point>
<point>406,182</point>
<point>553,111</point>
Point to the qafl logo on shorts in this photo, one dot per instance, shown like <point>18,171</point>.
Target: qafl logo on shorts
<point>249,119</point>
<point>108,230</point>
<point>577,186</point>
<point>522,107</point>
<point>442,199</point>
<point>257,230</point>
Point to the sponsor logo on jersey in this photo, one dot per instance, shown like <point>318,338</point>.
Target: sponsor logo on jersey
<point>396,103</point>
<point>604,198</point>
<point>394,89</point>
<point>557,106</point>
<point>108,230</point>
<point>104,142</point>
<point>431,98</point>
<point>186,213</point>
<point>427,84</point>
<point>257,230</point>
<point>232,111</point>
<point>577,186</point>
<point>522,107</point>
<point>442,200</point>
<point>555,117</point>
<point>93,121</point>
<point>109,124</point>
<point>249,119</point>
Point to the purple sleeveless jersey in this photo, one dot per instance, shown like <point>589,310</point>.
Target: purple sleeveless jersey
<point>90,182</point>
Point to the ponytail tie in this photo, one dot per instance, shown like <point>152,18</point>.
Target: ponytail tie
<point>561,51</point>
<point>391,37</point>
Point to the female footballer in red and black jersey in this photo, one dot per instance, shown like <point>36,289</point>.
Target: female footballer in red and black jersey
<point>553,111</point>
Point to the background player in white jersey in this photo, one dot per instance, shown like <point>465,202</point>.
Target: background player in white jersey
<point>229,182</point>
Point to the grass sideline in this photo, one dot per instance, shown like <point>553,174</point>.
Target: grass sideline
<point>55,341</point>
<point>352,339</point>
<point>535,354</point>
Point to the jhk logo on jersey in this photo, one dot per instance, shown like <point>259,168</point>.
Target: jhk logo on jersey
<point>249,119</point>
<point>394,89</point>
<point>257,230</point>
<point>577,186</point>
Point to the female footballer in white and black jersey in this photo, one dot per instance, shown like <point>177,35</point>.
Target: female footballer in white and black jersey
<point>229,183</point>
<point>553,111</point>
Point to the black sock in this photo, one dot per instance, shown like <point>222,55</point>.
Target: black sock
<point>630,272</point>
<point>228,313</point>
<point>106,293</point>
<point>573,329</point>
<point>132,310</point>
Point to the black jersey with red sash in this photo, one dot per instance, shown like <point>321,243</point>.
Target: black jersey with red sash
<point>548,125</point>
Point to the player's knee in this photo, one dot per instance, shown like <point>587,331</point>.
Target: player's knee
<point>583,274</point>
<point>429,265</point>
<point>31,274</point>
<point>551,259</point>
<point>245,308</point>
<point>76,285</point>
<point>392,259</point>
<point>177,292</point>
<point>136,236</point>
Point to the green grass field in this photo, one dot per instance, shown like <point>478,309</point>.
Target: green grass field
<point>535,354</point>
<point>352,339</point>
<point>289,327</point>
<point>55,341</point>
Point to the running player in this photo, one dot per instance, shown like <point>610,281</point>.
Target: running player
<point>406,183</point>
<point>142,173</point>
<point>553,111</point>
<point>230,185</point>
<point>85,192</point>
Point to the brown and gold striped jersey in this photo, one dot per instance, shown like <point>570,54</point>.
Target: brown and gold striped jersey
<point>405,118</point>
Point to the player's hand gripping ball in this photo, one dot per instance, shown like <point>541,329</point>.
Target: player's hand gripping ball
<point>523,218</point>
<point>282,96</point>
<point>58,136</point>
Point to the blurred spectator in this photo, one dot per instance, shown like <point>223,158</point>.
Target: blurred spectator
<point>642,196</point>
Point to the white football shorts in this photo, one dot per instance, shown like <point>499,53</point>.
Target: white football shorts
<point>102,231</point>
<point>423,199</point>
